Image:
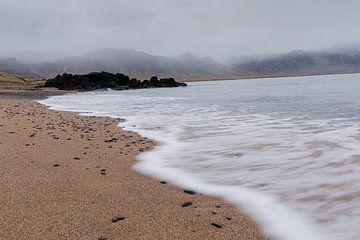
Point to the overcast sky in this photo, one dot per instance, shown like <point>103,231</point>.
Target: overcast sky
<point>216,28</point>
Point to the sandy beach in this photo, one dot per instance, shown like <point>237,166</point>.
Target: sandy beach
<point>65,176</point>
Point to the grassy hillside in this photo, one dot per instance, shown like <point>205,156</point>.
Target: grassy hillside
<point>9,78</point>
<point>10,81</point>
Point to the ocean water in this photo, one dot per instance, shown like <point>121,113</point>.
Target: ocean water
<point>285,150</point>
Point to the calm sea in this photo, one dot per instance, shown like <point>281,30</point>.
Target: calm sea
<point>286,150</point>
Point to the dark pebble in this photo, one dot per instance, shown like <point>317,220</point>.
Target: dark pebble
<point>117,218</point>
<point>187,204</point>
<point>102,238</point>
<point>217,225</point>
<point>163,182</point>
<point>228,218</point>
<point>56,165</point>
<point>217,206</point>
<point>76,158</point>
<point>189,192</point>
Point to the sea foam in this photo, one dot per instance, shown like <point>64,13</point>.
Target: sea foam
<point>293,169</point>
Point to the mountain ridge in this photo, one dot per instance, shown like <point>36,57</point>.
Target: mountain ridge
<point>187,66</point>
<point>128,61</point>
<point>301,63</point>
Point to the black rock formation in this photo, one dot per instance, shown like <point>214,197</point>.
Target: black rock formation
<point>103,80</point>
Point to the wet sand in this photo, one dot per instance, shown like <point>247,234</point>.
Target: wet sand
<point>64,176</point>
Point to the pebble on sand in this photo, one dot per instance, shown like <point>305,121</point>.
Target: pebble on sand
<point>217,225</point>
<point>187,204</point>
<point>189,191</point>
<point>117,218</point>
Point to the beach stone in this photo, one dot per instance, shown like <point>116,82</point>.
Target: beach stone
<point>102,238</point>
<point>117,218</point>
<point>217,225</point>
<point>189,192</point>
<point>163,182</point>
<point>187,204</point>
<point>228,218</point>
<point>56,165</point>
<point>76,158</point>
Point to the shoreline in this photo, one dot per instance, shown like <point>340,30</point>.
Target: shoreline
<point>255,77</point>
<point>97,186</point>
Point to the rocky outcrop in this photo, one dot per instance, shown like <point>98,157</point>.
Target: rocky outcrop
<point>103,80</point>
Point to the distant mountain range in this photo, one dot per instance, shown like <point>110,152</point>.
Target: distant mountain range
<point>127,61</point>
<point>300,63</point>
<point>187,66</point>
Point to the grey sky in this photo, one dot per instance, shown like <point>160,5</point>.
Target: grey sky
<point>217,28</point>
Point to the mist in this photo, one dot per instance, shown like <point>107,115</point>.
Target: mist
<point>220,29</point>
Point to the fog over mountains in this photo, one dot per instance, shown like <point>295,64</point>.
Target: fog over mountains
<point>301,63</point>
<point>186,66</point>
<point>128,61</point>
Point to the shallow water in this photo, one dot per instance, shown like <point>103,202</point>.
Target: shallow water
<point>286,150</point>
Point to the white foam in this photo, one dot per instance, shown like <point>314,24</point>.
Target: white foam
<point>285,154</point>
<point>276,218</point>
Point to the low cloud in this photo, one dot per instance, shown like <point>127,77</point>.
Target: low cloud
<point>170,27</point>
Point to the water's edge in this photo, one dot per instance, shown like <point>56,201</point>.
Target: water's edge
<point>277,221</point>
